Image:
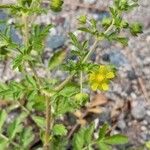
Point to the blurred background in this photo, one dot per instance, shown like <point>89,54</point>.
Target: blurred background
<point>127,105</point>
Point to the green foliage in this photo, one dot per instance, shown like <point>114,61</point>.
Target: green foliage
<point>38,37</point>
<point>84,139</point>
<point>35,96</point>
<point>16,126</point>
<point>57,59</point>
<point>40,121</point>
<point>56,5</point>
<point>135,28</point>
<point>64,100</point>
<point>59,129</point>
<point>3,116</point>
<point>26,137</point>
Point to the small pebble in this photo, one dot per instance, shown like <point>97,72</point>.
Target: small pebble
<point>90,1</point>
<point>138,110</point>
<point>121,124</point>
<point>55,42</point>
<point>143,128</point>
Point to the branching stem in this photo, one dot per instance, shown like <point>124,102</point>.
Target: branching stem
<point>47,98</point>
<point>85,58</point>
<point>7,139</point>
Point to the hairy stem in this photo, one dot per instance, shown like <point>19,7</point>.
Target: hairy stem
<point>47,98</point>
<point>48,124</point>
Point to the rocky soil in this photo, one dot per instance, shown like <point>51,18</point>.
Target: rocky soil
<point>128,101</point>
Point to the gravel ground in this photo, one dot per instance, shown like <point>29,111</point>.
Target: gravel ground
<point>130,92</point>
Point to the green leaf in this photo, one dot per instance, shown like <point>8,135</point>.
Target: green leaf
<point>83,138</point>
<point>58,143</point>
<point>122,40</point>
<point>31,80</point>
<point>103,146</point>
<point>84,29</point>
<point>148,144</point>
<point>56,5</point>
<point>59,129</point>
<point>3,116</point>
<point>136,28</point>
<point>16,126</point>
<point>38,37</point>
<point>40,121</point>
<point>26,137</point>
<point>69,90</point>
<point>88,135</point>
<point>82,19</point>
<point>57,59</point>
<point>103,131</point>
<point>81,98</point>
<point>106,22</point>
<point>93,23</point>
<point>74,40</point>
<point>78,140</point>
<point>116,139</point>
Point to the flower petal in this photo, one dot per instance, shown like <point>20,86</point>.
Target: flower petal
<point>94,86</point>
<point>110,75</point>
<point>105,87</point>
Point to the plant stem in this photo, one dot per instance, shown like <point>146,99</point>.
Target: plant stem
<point>110,27</point>
<point>26,29</point>
<point>48,124</point>
<point>91,50</point>
<point>59,87</point>
<point>7,139</point>
<point>81,81</point>
<point>47,98</point>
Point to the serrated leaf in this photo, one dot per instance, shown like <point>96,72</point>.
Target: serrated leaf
<point>38,36</point>
<point>89,134</point>
<point>56,5</point>
<point>116,139</point>
<point>78,140</point>
<point>3,116</point>
<point>40,121</point>
<point>56,59</point>
<point>59,129</point>
<point>122,40</point>
<point>26,137</point>
<point>82,19</point>
<point>74,40</point>
<point>103,146</point>
<point>16,126</point>
<point>103,131</point>
<point>136,28</point>
<point>31,80</point>
<point>69,90</point>
<point>84,29</point>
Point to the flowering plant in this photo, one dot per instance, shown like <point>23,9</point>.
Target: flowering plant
<point>42,101</point>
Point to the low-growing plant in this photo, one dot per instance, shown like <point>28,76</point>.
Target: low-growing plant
<point>44,100</point>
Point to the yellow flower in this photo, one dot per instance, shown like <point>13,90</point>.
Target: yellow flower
<point>100,78</point>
